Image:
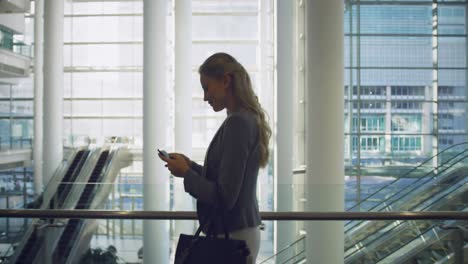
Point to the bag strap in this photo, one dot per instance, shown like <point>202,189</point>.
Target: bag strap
<point>210,224</point>
<point>221,212</point>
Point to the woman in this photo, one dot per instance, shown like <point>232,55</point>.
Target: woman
<point>228,177</point>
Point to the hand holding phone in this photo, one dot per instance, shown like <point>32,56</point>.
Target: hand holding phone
<point>164,153</point>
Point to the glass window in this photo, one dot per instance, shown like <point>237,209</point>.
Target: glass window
<point>104,84</point>
<point>245,53</point>
<point>370,144</point>
<point>22,108</point>
<point>104,55</point>
<point>5,90</point>
<point>103,29</point>
<point>406,143</point>
<point>397,50</point>
<point>226,27</point>
<point>103,7</point>
<point>407,123</point>
<point>370,123</point>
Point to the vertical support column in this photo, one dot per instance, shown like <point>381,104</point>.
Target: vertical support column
<point>350,85</point>
<point>388,120</point>
<point>155,124</point>
<point>299,97</point>
<point>325,128</point>
<point>435,83</point>
<point>299,145</point>
<point>266,60</point>
<point>285,231</point>
<point>10,131</point>
<point>183,104</point>
<point>52,102</point>
<point>464,92</point>
<point>265,56</point>
<point>38,94</point>
<point>53,87</point>
<point>427,121</point>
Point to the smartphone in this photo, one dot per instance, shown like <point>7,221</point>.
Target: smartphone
<point>163,153</point>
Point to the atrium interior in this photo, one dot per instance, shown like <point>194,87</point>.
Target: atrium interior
<point>89,89</point>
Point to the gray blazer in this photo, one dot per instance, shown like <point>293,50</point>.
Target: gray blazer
<point>228,178</point>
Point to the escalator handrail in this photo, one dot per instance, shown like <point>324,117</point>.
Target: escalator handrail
<point>113,153</point>
<point>302,238</point>
<point>99,177</point>
<point>108,164</point>
<point>62,197</point>
<point>29,231</point>
<point>295,256</point>
<point>60,172</point>
<point>85,170</point>
<point>414,169</point>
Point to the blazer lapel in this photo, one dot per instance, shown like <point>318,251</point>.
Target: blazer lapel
<point>210,147</point>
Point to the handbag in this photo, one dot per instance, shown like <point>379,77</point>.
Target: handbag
<point>196,249</point>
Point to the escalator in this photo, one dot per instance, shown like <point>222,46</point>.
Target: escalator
<point>410,199</point>
<point>68,240</point>
<point>440,188</point>
<point>68,180</point>
<point>72,229</point>
<point>437,245</point>
<point>392,238</point>
<point>29,250</point>
<point>403,242</point>
<point>405,183</point>
<point>392,197</point>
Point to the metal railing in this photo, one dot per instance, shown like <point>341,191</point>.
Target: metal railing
<point>267,216</point>
<point>10,143</point>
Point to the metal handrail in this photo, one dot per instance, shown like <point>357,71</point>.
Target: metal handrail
<point>284,249</point>
<point>190,215</point>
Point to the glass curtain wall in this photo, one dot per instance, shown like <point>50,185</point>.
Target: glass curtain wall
<point>103,58</point>
<point>405,87</point>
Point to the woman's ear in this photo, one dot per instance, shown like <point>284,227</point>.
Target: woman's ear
<point>227,80</point>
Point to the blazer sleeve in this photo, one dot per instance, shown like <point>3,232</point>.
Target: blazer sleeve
<point>196,167</point>
<point>237,135</point>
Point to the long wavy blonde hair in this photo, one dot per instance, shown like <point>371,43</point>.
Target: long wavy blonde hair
<point>220,64</point>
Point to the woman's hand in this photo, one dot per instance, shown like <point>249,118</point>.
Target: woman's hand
<point>178,164</point>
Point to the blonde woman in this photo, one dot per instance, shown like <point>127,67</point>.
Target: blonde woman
<point>228,177</point>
